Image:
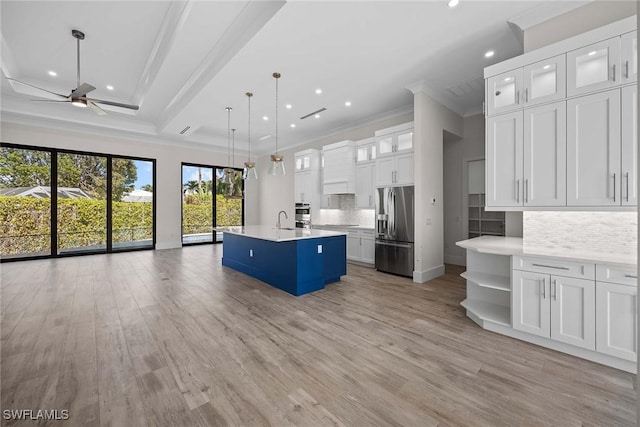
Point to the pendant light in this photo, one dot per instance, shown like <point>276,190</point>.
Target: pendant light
<point>233,188</point>
<point>250,173</point>
<point>229,172</point>
<point>277,164</point>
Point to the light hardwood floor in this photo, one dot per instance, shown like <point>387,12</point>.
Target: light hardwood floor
<point>172,338</point>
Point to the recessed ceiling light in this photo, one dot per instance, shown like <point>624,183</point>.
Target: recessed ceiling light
<point>489,54</point>
<point>546,67</point>
<point>508,79</point>
<point>317,116</point>
<point>288,106</point>
<point>292,125</point>
<point>453,3</point>
<point>52,73</point>
<point>109,87</point>
<point>265,118</point>
<point>593,52</point>
<point>347,104</point>
<point>318,91</point>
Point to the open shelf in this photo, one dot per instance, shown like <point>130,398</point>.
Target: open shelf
<point>487,280</point>
<point>488,312</point>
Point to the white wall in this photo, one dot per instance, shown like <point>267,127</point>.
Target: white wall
<point>276,193</point>
<point>456,151</point>
<point>578,21</point>
<point>168,185</point>
<point>431,119</point>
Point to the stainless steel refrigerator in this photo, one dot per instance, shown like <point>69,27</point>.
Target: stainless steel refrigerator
<point>395,230</point>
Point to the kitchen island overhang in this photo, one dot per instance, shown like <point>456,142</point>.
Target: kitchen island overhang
<point>298,261</point>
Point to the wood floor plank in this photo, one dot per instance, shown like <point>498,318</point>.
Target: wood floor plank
<point>171,337</point>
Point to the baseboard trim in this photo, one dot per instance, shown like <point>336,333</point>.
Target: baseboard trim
<point>430,274</point>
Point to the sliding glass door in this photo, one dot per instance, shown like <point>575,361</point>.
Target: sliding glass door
<point>132,196</point>
<point>25,202</point>
<point>206,203</point>
<point>197,204</point>
<point>55,202</point>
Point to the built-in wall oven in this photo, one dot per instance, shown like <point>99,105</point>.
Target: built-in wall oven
<point>303,215</point>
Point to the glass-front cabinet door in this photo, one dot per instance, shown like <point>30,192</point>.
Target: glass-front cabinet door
<point>593,67</point>
<point>545,81</point>
<point>404,141</point>
<point>385,144</point>
<point>630,57</point>
<point>503,92</point>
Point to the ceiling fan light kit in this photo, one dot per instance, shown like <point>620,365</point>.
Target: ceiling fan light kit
<point>78,97</point>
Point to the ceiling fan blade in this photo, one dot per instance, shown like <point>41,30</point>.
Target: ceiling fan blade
<point>81,90</point>
<point>115,104</point>
<point>47,100</point>
<point>99,111</point>
<point>36,87</point>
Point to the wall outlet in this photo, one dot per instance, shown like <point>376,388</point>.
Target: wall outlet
<point>251,253</point>
<point>319,249</point>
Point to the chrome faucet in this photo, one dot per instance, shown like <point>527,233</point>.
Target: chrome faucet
<point>278,225</point>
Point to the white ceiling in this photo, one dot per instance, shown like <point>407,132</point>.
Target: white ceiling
<point>183,62</point>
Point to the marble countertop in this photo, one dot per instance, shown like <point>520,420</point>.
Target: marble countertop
<point>356,226</point>
<point>266,232</point>
<point>515,246</point>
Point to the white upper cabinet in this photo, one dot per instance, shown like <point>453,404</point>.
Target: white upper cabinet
<point>307,178</point>
<point>545,155</point>
<point>365,178</point>
<point>593,67</point>
<point>545,81</point>
<point>504,154</point>
<point>629,187</point>
<point>339,168</point>
<point>366,150</point>
<point>503,92</point>
<point>629,62</point>
<point>593,150</point>
<point>396,139</point>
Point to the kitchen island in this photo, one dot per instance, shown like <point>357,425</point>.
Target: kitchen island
<point>297,261</point>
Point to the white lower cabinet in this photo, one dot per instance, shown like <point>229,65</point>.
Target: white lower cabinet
<point>556,307</point>
<point>616,312</point>
<point>361,246</point>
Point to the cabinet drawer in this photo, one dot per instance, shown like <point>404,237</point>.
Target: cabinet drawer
<point>614,274</point>
<point>582,270</point>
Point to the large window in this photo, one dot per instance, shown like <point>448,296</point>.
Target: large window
<point>205,203</point>
<point>25,202</point>
<point>55,202</point>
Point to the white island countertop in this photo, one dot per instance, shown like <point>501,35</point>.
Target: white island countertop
<point>266,232</point>
<point>515,246</point>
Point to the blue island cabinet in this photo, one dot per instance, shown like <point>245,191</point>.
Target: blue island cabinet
<point>295,266</point>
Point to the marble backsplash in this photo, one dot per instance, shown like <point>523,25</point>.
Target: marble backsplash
<point>611,232</point>
<point>345,212</point>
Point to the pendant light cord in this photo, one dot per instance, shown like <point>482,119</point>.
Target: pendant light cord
<point>233,147</point>
<point>228,136</point>
<point>277,77</point>
<point>249,95</point>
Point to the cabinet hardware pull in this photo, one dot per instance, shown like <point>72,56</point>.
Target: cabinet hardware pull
<point>544,288</point>
<point>555,290</point>
<point>614,187</point>
<point>517,191</point>
<point>517,97</point>
<point>551,266</point>
<point>626,175</point>
<point>614,72</point>
<point>631,276</point>
<point>526,191</point>
<point>626,69</point>
<point>526,95</point>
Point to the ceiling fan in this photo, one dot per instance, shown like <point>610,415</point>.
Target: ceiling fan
<point>78,96</point>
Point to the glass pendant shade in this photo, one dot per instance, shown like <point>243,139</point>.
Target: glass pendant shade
<point>277,165</point>
<point>250,173</point>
